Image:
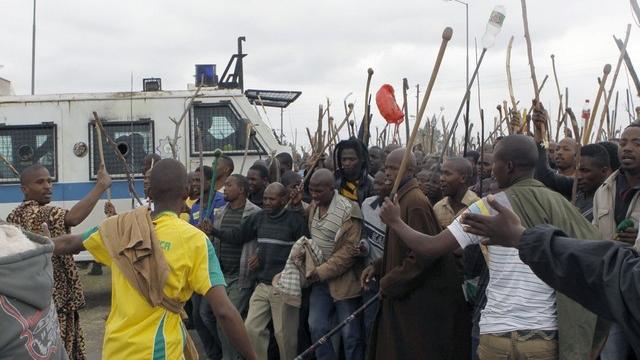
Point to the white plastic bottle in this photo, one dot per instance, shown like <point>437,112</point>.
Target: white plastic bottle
<point>586,114</point>
<point>493,26</point>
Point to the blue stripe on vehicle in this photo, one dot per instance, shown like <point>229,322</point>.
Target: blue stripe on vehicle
<point>71,191</point>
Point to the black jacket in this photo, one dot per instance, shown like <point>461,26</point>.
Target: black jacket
<point>603,276</point>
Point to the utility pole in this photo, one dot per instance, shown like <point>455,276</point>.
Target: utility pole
<point>417,100</point>
<point>281,126</point>
<point>33,51</point>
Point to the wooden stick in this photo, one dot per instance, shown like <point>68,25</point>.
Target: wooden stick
<point>367,109</point>
<point>587,132</point>
<point>574,124</point>
<point>173,143</point>
<point>315,162</point>
<point>405,106</point>
<point>560,107</point>
<point>514,106</point>
<point>100,149</point>
<point>464,99</point>
<point>311,142</point>
<point>201,158</point>
<point>319,129</point>
<point>623,51</point>
<point>10,166</point>
<point>446,36</point>
<point>614,121</point>
<point>127,170</point>
<point>527,37</point>
<point>249,129</point>
<point>627,61</point>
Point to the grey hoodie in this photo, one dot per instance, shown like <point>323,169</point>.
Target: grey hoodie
<point>28,320</point>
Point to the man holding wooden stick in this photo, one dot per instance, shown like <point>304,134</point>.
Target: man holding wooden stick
<point>408,284</point>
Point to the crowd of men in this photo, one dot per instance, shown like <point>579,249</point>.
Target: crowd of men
<point>271,262</point>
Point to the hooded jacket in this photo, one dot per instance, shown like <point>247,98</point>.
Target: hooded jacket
<point>28,317</point>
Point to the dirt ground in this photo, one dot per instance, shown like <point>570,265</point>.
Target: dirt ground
<point>97,291</point>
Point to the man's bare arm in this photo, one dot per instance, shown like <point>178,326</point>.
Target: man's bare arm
<point>80,211</point>
<point>423,244</point>
<point>67,244</point>
<point>230,321</point>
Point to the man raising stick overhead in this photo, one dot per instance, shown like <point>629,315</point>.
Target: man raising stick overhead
<point>171,260</point>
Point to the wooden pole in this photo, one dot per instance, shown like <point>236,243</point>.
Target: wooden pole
<point>101,149</point>
<point>10,166</point>
<point>201,159</point>
<point>527,37</point>
<point>587,132</point>
<point>446,36</point>
<point>608,96</point>
<point>514,105</point>
<point>367,109</point>
<point>405,87</point>
<point>464,99</point>
<point>114,147</point>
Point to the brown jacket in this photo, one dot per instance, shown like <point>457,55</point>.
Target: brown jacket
<point>422,314</point>
<point>342,270</point>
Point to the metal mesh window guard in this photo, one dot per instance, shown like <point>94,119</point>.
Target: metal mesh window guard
<point>135,140</point>
<point>26,145</point>
<point>221,128</point>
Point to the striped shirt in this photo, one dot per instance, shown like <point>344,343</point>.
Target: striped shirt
<point>324,229</point>
<point>230,252</point>
<point>516,298</point>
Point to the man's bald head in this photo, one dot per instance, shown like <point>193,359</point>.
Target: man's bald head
<point>276,189</point>
<point>321,187</point>
<point>168,181</point>
<point>322,177</point>
<point>461,166</point>
<point>514,159</point>
<point>396,157</point>
<point>520,150</point>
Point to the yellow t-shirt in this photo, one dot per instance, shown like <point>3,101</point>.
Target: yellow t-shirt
<point>134,329</point>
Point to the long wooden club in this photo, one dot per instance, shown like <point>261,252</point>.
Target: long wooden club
<point>367,109</point>
<point>589,128</point>
<point>446,36</point>
<point>608,96</point>
<point>101,149</point>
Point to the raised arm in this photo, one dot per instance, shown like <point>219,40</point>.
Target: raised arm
<point>83,208</point>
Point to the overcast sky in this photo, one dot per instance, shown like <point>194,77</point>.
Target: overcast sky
<point>321,48</point>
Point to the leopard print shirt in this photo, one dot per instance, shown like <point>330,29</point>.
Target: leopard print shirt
<point>68,295</point>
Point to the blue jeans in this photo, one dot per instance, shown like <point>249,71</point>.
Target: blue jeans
<point>322,311</point>
<point>371,312</point>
